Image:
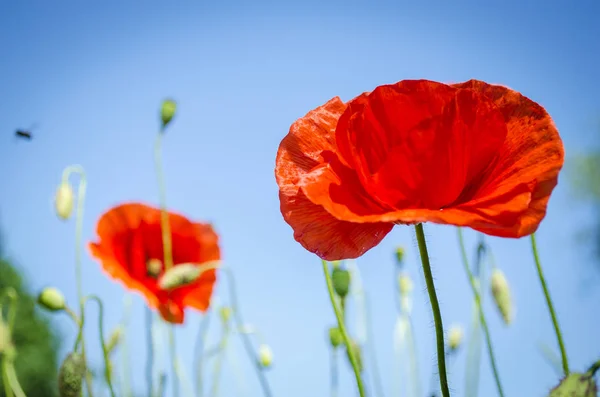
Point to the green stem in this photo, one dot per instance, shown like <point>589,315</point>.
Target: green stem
<point>561,344</point>
<point>594,367</point>
<point>342,327</point>
<point>13,380</point>
<point>482,319</point>
<point>373,353</point>
<point>150,359</point>
<point>105,352</point>
<point>219,360</point>
<point>245,337</point>
<point>5,380</point>
<point>435,308</point>
<point>199,352</point>
<point>166,240</point>
<point>334,372</point>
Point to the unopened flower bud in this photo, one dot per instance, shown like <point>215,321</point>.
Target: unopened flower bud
<point>154,267</point>
<point>357,355</point>
<point>167,111</point>
<point>114,339</point>
<point>179,276</point>
<point>501,294</point>
<point>341,281</point>
<point>455,337</point>
<point>63,200</point>
<point>225,313</point>
<point>335,337</point>
<point>399,253</point>
<point>265,356</point>
<point>70,376</point>
<point>52,299</point>
<point>580,385</point>
<point>405,284</point>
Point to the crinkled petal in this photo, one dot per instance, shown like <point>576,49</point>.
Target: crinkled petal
<point>306,148</point>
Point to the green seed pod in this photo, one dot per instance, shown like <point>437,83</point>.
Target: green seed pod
<point>70,376</point>
<point>501,294</point>
<point>341,282</point>
<point>52,299</point>
<point>63,200</point>
<point>265,356</point>
<point>154,267</point>
<point>335,337</point>
<point>357,354</point>
<point>167,111</point>
<point>576,385</point>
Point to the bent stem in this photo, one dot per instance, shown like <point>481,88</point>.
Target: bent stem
<point>479,308</point>
<point>105,353</point>
<point>5,380</point>
<point>233,301</point>
<point>342,327</point>
<point>561,344</point>
<point>435,308</point>
<point>593,368</point>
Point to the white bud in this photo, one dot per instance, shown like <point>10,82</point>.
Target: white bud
<point>455,337</point>
<point>265,356</point>
<point>63,200</point>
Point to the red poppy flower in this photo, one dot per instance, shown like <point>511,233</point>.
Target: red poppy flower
<point>131,239</point>
<point>469,154</point>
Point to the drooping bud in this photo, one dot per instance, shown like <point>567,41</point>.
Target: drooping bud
<point>225,313</point>
<point>70,376</point>
<point>357,354</point>
<point>63,200</point>
<point>51,299</point>
<point>114,339</point>
<point>335,337</point>
<point>265,356</point>
<point>167,111</point>
<point>341,281</point>
<point>501,294</point>
<point>179,276</point>
<point>399,254</point>
<point>154,267</point>
<point>455,337</point>
<point>405,284</point>
<point>580,385</point>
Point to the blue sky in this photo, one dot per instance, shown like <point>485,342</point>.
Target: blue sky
<point>93,78</point>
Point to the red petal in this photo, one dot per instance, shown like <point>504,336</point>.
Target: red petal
<point>309,140</point>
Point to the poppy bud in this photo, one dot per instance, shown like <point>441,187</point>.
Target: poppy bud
<point>357,354</point>
<point>335,337</point>
<point>225,313</point>
<point>114,339</point>
<point>580,385</point>
<point>399,253</point>
<point>341,281</point>
<point>179,276</point>
<point>167,111</point>
<point>70,376</point>
<point>63,200</point>
<point>265,356</point>
<point>405,284</point>
<point>501,294</point>
<point>51,299</point>
<point>455,337</point>
<point>154,267</point>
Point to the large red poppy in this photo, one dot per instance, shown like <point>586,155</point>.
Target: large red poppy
<point>470,154</point>
<point>131,237</point>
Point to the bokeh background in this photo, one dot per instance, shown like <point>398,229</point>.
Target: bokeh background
<point>93,75</point>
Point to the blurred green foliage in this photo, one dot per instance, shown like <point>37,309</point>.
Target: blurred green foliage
<point>33,337</point>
